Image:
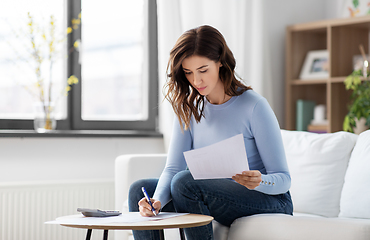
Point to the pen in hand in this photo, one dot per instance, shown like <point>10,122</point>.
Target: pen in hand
<point>148,199</point>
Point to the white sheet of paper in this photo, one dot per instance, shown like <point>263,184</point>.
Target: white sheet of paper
<point>131,217</point>
<point>220,160</point>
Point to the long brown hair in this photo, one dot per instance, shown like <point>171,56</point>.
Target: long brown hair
<point>204,41</point>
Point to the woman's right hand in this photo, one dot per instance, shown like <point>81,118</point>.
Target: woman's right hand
<point>145,208</point>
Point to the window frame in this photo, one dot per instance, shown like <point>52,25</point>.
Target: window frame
<point>73,120</point>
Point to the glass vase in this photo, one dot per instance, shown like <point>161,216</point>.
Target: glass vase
<point>44,119</point>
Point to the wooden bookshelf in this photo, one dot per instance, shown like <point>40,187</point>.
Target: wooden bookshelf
<point>341,37</point>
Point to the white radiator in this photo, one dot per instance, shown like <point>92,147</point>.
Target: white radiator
<point>25,207</point>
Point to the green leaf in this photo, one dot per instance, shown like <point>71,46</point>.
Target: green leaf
<point>346,124</point>
<point>368,121</point>
<point>355,3</point>
<point>348,82</point>
<point>358,115</point>
<point>356,80</point>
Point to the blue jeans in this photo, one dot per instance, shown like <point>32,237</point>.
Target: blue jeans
<point>223,199</point>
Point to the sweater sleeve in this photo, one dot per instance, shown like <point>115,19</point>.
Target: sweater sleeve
<point>267,135</point>
<point>181,141</point>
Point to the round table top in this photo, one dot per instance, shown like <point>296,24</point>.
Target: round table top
<point>183,221</point>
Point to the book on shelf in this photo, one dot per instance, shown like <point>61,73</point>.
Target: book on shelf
<point>317,128</point>
<point>305,109</point>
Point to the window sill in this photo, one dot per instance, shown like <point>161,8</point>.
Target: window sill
<point>81,133</point>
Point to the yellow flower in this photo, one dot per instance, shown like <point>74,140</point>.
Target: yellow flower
<point>76,21</point>
<point>68,88</point>
<point>76,44</point>
<point>69,30</point>
<point>79,16</point>
<point>72,80</point>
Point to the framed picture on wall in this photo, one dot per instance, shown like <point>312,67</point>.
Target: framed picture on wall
<point>316,65</point>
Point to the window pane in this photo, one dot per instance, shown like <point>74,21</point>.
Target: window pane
<point>114,83</point>
<point>18,88</point>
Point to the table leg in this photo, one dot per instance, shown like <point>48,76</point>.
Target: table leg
<point>161,234</point>
<point>182,234</point>
<point>105,237</point>
<point>88,235</point>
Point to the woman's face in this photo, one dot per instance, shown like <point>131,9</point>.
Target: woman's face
<point>202,74</point>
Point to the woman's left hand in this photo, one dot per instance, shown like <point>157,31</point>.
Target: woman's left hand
<point>249,179</point>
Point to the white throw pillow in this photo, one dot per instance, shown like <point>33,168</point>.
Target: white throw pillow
<point>355,200</point>
<point>317,165</point>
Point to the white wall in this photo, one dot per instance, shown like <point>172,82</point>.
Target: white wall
<point>53,176</point>
<point>34,159</point>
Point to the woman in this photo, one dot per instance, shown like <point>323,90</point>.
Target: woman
<point>212,105</point>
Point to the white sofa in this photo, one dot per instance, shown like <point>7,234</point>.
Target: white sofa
<point>330,190</point>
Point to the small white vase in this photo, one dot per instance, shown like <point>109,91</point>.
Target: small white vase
<point>360,126</point>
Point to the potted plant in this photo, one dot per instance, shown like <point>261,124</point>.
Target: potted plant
<point>359,109</point>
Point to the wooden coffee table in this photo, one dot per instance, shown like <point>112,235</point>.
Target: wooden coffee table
<point>183,221</point>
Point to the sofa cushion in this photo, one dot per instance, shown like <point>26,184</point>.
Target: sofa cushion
<point>355,200</point>
<point>317,165</point>
<point>286,227</point>
<point>220,232</point>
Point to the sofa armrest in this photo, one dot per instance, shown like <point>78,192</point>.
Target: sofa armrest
<point>130,168</point>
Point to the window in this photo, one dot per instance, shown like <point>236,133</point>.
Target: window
<point>116,64</point>
<point>18,95</point>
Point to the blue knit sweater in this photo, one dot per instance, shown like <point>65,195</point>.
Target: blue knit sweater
<point>249,114</point>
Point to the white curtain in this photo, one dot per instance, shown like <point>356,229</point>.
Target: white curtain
<point>255,32</point>
<point>169,29</point>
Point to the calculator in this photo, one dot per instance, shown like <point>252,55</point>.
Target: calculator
<point>87,212</point>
